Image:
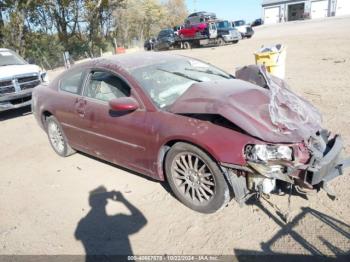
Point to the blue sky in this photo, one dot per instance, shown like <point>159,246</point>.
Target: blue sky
<point>248,10</point>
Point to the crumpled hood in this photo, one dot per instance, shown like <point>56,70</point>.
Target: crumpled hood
<point>244,104</point>
<point>9,71</point>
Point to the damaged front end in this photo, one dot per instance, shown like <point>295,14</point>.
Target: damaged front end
<point>272,168</point>
<point>305,166</point>
<point>278,169</point>
<point>282,144</point>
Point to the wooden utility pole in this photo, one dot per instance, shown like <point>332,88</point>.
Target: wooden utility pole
<point>2,25</point>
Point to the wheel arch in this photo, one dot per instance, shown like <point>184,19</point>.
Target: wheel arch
<point>44,115</point>
<point>165,147</point>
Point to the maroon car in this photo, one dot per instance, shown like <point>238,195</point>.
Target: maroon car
<point>193,30</point>
<point>174,118</point>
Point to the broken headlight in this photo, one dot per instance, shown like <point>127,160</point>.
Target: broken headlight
<point>266,153</point>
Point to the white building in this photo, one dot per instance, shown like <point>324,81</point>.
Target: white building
<point>277,11</point>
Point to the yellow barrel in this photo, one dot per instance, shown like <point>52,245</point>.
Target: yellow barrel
<point>274,61</point>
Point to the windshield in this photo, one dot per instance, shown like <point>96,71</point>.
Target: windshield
<point>8,57</point>
<point>239,23</point>
<point>165,82</point>
<point>223,24</point>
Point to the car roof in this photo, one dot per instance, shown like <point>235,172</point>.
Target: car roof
<point>166,30</point>
<point>135,60</point>
<point>202,13</point>
<point>4,49</point>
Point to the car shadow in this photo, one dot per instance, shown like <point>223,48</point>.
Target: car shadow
<point>13,113</point>
<point>321,236</point>
<point>106,237</point>
<point>163,184</point>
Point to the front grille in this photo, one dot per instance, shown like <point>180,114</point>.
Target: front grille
<point>249,29</point>
<point>20,83</point>
<point>27,82</point>
<point>7,90</point>
<point>5,83</point>
<point>6,87</point>
<point>30,84</point>
<point>234,33</point>
<point>27,79</point>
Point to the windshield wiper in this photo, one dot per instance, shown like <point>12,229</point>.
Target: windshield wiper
<point>180,74</point>
<point>208,71</point>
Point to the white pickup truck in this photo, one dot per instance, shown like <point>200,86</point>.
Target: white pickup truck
<point>17,80</point>
<point>242,27</point>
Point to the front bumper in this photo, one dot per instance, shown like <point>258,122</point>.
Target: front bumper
<point>330,165</point>
<point>314,173</point>
<point>16,100</point>
<point>249,34</point>
<point>231,38</point>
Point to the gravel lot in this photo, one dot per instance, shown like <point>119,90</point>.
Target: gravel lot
<point>43,198</point>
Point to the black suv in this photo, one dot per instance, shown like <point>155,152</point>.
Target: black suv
<point>165,39</point>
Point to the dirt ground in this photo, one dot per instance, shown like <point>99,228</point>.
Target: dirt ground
<point>43,198</point>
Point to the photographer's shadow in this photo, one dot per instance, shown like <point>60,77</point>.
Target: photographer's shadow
<point>105,235</point>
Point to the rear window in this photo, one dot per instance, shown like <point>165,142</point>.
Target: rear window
<point>72,82</point>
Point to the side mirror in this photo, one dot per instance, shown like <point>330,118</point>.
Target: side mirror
<point>123,104</point>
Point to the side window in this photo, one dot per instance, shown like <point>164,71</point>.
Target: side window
<point>72,82</point>
<point>105,86</point>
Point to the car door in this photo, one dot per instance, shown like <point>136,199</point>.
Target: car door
<point>213,32</point>
<point>120,137</point>
<point>70,107</point>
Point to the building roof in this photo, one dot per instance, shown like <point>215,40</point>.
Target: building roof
<point>268,2</point>
<point>271,2</point>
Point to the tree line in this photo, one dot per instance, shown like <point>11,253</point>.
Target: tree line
<point>41,30</point>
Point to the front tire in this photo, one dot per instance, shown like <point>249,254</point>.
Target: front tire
<point>57,138</point>
<point>221,41</point>
<point>195,178</point>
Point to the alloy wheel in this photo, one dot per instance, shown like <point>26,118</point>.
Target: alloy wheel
<point>56,136</point>
<point>193,178</point>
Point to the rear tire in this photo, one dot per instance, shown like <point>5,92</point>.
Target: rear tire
<point>187,45</point>
<point>57,138</point>
<point>196,179</point>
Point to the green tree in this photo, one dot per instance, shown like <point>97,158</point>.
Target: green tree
<point>43,29</point>
<point>176,12</point>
